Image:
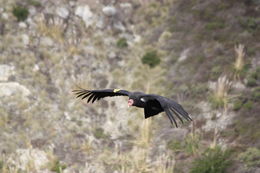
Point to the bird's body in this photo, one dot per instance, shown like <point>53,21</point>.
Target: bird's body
<point>151,103</point>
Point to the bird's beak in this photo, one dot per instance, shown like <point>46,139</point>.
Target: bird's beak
<point>130,102</point>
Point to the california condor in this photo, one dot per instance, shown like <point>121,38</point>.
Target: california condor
<point>152,104</point>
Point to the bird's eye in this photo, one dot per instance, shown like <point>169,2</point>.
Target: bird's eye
<point>142,99</point>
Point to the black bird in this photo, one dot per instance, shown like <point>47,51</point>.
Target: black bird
<point>152,104</point>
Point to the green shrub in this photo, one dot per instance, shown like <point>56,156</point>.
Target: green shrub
<point>34,3</point>
<point>216,72</point>
<point>237,105</point>
<point>151,58</point>
<point>256,94</point>
<point>58,167</point>
<point>174,145</point>
<point>122,43</point>
<point>251,82</point>
<point>99,133</point>
<point>212,161</point>
<point>248,105</point>
<point>192,143</point>
<point>250,24</point>
<point>1,165</point>
<point>21,13</point>
<point>250,157</point>
<point>217,102</point>
<point>253,78</point>
<point>214,25</point>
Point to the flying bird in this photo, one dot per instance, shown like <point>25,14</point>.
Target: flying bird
<point>151,103</point>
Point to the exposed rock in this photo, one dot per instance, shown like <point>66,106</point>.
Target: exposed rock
<point>112,55</point>
<point>5,16</point>
<point>118,25</point>
<point>5,72</point>
<point>109,10</point>
<point>137,38</point>
<point>47,41</point>
<point>25,39</point>
<point>23,158</point>
<point>100,22</point>
<point>85,13</point>
<point>32,10</point>
<point>114,125</point>
<point>22,25</point>
<point>184,55</point>
<point>222,118</point>
<point>126,5</point>
<point>62,12</point>
<point>9,88</point>
<point>238,85</point>
<point>172,134</point>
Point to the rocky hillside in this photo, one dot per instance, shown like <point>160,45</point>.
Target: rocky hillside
<point>202,53</point>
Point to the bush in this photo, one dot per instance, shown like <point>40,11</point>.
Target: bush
<point>248,105</point>
<point>58,167</point>
<point>34,3</point>
<point>250,24</point>
<point>99,133</point>
<point>1,165</point>
<point>250,157</point>
<point>21,13</point>
<point>212,161</point>
<point>237,105</point>
<point>256,94</point>
<point>253,78</point>
<point>214,25</point>
<point>175,145</point>
<point>151,58</point>
<point>122,43</point>
<point>251,82</point>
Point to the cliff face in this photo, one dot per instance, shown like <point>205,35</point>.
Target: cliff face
<point>209,62</point>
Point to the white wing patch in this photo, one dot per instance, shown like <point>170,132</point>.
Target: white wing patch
<point>143,100</point>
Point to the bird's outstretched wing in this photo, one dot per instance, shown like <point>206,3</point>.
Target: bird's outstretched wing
<point>169,106</point>
<point>94,95</point>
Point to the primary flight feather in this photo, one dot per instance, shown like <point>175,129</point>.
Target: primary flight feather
<point>152,104</point>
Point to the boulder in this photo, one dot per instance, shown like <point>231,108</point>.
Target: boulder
<point>9,88</point>
<point>5,72</point>
<point>109,10</point>
<point>85,13</point>
<point>62,12</point>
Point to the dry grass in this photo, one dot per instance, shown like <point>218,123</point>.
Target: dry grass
<point>165,164</point>
<point>145,137</point>
<point>219,97</point>
<point>53,31</point>
<point>87,146</point>
<point>137,160</point>
<point>240,60</point>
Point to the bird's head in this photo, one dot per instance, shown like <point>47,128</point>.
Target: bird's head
<point>130,102</point>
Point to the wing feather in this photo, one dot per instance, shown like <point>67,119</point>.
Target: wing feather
<point>170,116</point>
<point>95,98</point>
<point>86,95</point>
<point>179,116</point>
<point>94,95</point>
<point>89,99</point>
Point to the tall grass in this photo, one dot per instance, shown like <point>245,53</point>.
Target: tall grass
<point>240,60</point>
<point>165,164</point>
<point>219,97</point>
<point>54,31</point>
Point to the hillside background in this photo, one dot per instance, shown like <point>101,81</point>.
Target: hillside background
<point>202,53</point>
